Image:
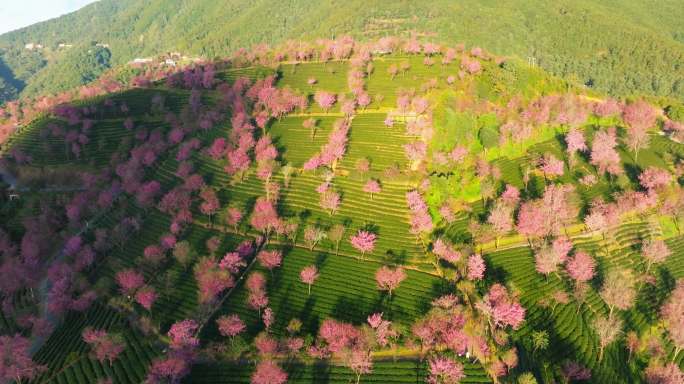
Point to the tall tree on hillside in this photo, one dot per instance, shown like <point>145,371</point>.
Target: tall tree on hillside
<point>336,234</point>
<point>603,153</point>
<point>268,372</point>
<point>105,346</point>
<point>146,296</point>
<point>581,267</point>
<point>15,359</point>
<point>607,329</point>
<point>673,317</point>
<point>308,276</point>
<point>311,125</point>
<point>443,370</point>
<point>330,201</point>
<point>363,241</point>
<point>574,141</point>
<point>211,279</point>
<point>270,259</point>
<point>230,326</point>
<point>388,279</point>
<point>501,219</point>
<point>618,290</point>
<point>313,235</point>
<point>655,252</point>
<point>264,218</point>
<point>129,280</point>
<point>325,100</point>
<point>639,117</point>
<point>654,178</point>
<point>372,187</point>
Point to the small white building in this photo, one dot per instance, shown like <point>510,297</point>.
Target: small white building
<point>141,60</point>
<point>32,46</point>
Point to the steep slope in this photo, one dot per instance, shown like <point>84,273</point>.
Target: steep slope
<point>186,187</point>
<point>621,47</point>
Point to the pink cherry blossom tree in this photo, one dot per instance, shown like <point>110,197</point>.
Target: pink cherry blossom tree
<point>308,276</point>
<point>501,219</point>
<point>234,217</point>
<point>15,359</point>
<point>325,99</point>
<point>230,326</point>
<point>105,346</point>
<point>182,335</point>
<point>618,290</point>
<point>476,267</point>
<point>581,267</point>
<point>233,262</point>
<point>330,201</point>
<point>129,280</point>
<point>268,318</point>
<point>210,203</point>
<point>655,252</point>
<point>388,279</point>
<point>639,117</point>
<point>268,372</point>
<point>603,153</point>
<point>664,374</point>
<point>654,178</point>
<point>313,235</point>
<point>363,241</point>
<point>311,125</point>
<point>372,187</point>
<point>270,259</point>
<point>503,309</point>
<point>446,251</point>
<point>264,217</point>
<point>607,329</point>
<point>575,142</point>
<point>551,166</point>
<point>168,369</point>
<point>359,361</point>
<point>673,316</point>
<point>443,370</point>
<point>211,279</point>
<point>146,296</point>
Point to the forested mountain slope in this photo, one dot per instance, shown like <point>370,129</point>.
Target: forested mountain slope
<point>621,47</point>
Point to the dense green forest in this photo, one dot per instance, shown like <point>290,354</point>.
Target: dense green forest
<point>620,47</point>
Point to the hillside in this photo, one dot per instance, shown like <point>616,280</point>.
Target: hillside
<point>620,47</point>
<point>387,213</point>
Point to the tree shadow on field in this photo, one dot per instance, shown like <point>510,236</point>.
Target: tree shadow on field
<point>386,304</point>
<point>652,296</point>
<point>347,222</point>
<point>419,368</point>
<point>372,228</point>
<point>495,273</point>
<point>395,258</point>
<point>535,187</point>
<point>321,372</point>
<point>275,140</point>
<point>303,216</point>
<point>309,319</point>
<point>633,171</point>
<point>295,368</point>
<point>321,258</point>
<point>249,205</point>
<point>351,309</point>
<point>439,288</point>
<point>287,312</point>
